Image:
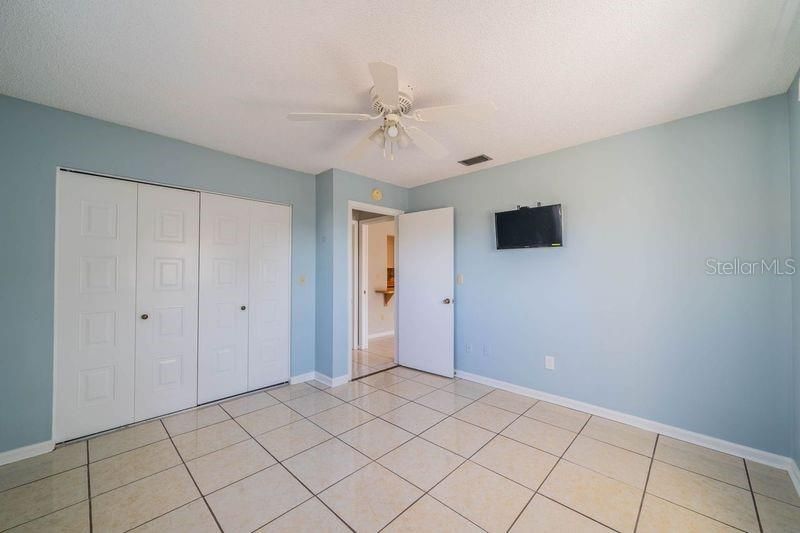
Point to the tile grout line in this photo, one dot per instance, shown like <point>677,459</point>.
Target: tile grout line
<point>533,492</point>
<point>586,516</point>
<point>652,459</point>
<point>373,373</point>
<point>728,483</point>
<point>424,492</point>
<point>26,522</point>
<point>170,438</point>
<point>200,492</point>
<point>135,480</point>
<point>43,478</point>
<point>306,418</point>
<point>164,514</point>
<point>313,495</point>
<point>715,520</point>
<point>427,492</point>
<point>466,459</point>
<point>89,487</point>
<point>167,512</point>
<point>560,457</point>
<point>219,402</point>
<point>54,511</point>
<point>131,450</point>
<point>452,415</point>
<point>414,435</point>
<point>473,400</point>
<point>646,482</point>
<point>695,511</point>
<point>163,469</point>
<point>753,496</point>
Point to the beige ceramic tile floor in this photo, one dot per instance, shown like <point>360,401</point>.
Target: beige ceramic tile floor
<point>378,356</point>
<point>401,450</point>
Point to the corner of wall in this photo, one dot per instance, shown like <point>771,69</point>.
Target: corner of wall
<point>324,276</point>
<point>793,104</point>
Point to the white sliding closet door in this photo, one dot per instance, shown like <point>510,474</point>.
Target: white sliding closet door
<point>95,304</point>
<point>224,262</point>
<point>166,297</point>
<point>270,242</point>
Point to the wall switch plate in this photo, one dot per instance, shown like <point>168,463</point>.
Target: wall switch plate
<point>468,348</point>
<point>485,351</point>
<point>549,362</point>
<point>460,279</point>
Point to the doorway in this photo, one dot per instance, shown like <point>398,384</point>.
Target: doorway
<point>374,291</point>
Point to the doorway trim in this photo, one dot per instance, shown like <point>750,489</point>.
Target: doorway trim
<point>353,205</point>
<point>363,279</point>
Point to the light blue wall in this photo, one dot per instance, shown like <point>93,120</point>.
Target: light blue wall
<point>626,307</point>
<point>348,186</point>
<point>335,188</point>
<point>324,304</point>
<point>794,169</point>
<point>34,140</point>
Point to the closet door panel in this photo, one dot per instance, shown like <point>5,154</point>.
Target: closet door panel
<point>167,300</point>
<point>224,253</point>
<point>270,274</point>
<point>95,304</point>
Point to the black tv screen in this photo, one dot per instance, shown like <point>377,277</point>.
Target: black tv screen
<point>529,227</point>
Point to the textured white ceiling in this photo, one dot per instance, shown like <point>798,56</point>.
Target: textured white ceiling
<point>562,72</point>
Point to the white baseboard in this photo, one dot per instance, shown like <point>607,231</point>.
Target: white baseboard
<point>26,452</point>
<point>300,378</point>
<point>329,381</point>
<point>381,334</point>
<point>760,456</point>
<point>794,473</point>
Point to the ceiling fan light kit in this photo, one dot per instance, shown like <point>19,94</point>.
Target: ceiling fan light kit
<point>392,105</point>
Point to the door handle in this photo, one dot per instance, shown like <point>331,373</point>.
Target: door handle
<point>145,316</point>
<point>447,301</point>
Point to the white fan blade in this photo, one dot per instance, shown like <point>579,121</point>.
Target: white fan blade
<point>454,112</point>
<point>302,117</point>
<point>358,150</point>
<point>427,144</point>
<point>384,76</point>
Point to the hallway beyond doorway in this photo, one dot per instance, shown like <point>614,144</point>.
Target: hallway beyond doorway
<point>379,356</point>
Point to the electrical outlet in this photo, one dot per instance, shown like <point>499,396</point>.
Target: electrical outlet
<point>486,351</point>
<point>468,348</point>
<point>460,279</point>
<point>549,362</point>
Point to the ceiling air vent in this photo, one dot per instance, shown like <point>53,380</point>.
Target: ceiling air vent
<point>483,158</point>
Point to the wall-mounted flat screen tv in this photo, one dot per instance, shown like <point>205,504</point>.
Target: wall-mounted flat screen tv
<point>529,227</point>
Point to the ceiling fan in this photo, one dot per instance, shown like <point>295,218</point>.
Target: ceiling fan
<point>393,105</point>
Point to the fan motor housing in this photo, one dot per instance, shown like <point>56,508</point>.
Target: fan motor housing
<point>405,101</point>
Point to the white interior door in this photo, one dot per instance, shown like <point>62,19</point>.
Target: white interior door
<point>425,271</point>
<point>95,304</point>
<point>166,296</point>
<point>270,276</point>
<point>224,264</point>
